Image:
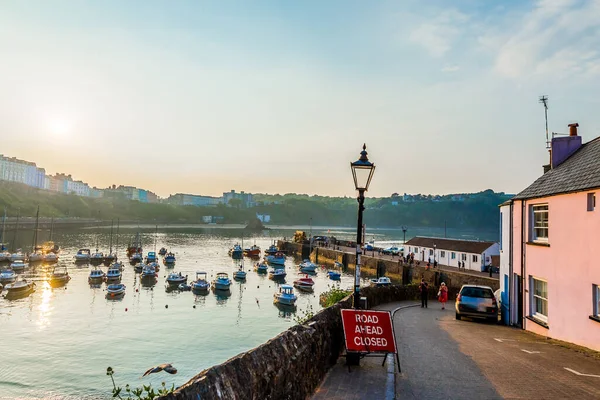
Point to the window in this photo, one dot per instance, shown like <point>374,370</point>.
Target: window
<point>596,296</point>
<point>500,231</point>
<point>463,256</point>
<point>539,216</point>
<point>442,254</point>
<point>591,201</point>
<point>453,256</point>
<point>430,252</point>
<point>474,258</point>
<point>539,299</point>
<point>416,250</point>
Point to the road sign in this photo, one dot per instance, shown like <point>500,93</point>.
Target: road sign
<point>368,331</point>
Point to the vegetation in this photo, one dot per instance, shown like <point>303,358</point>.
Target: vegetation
<point>146,392</point>
<point>304,315</point>
<point>332,296</point>
<point>471,211</point>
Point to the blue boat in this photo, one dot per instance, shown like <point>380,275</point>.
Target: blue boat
<point>278,273</point>
<point>285,296</point>
<point>334,275</point>
<point>272,250</point>
<point>236,252</point>
<point>240,274</point>
<point>222,281</point>
<point>200,285</point>
<point>169,259</point>
<point>276,259</point>
<point>151,257</point>
<point>261,268</point>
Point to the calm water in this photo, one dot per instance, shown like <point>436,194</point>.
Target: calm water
<point>58,342</point>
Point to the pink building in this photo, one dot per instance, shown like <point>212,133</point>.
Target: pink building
<point>549,274</point>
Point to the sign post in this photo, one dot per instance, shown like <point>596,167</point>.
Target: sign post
<point>369,332</point>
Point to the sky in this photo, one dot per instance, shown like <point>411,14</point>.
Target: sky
<point>278,96</point>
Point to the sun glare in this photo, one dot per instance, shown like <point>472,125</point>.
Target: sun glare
<point>59,127</point>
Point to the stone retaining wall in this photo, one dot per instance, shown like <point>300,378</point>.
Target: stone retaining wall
<point>289,366</point>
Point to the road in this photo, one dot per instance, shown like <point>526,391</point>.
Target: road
<point>442,358</point>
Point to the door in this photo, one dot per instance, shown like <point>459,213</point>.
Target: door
<point>519,293</point>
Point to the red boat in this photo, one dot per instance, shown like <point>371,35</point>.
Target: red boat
<point>253,251</point>
<point>304,284</point>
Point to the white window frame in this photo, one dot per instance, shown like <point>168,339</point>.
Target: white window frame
<point>532,299</point>
<point>475,257</point>
<point>463,256</point>
<point>442,254</point>
<point>416,250</point>
<point>538,209</point>
<point>596,298</point>
<point>453,255</point>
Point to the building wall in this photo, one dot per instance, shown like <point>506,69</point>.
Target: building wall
<point>424,255</point>
<point>567,265</point>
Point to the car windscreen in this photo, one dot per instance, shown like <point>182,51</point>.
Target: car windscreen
<point>477,292</point>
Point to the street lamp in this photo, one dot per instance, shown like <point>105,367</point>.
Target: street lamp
<point>404,232</point>
<point>434,249</point>
<point>362,172</point>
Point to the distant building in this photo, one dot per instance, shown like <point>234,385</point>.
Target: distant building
<point>264,218</point>
<point>245,198</point>
<point>183,199</point>
<point>475,255</point>
<point>96,193</point>
<point>549,275</point>
<point>394,203</point>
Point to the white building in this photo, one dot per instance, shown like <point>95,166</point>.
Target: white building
<point>77,187</point>
<point>475,255</point>
<point>264,218</point>
<point>183,199</point>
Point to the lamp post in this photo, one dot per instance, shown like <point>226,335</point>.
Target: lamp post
<point>362,172</point>
<point>434,249</point>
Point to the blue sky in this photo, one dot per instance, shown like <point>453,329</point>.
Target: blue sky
<point>204,97</point>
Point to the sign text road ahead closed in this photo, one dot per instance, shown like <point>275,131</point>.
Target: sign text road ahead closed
<point>368,331</point>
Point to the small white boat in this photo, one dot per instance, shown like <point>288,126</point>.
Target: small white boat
<point>278,273</point>
<point>18,256</point>
<point>97,257</point>
<point>19,266</point>
<point>222,281</point>
<point>200,284</point>
<point>7,276</point>
<point>115,290</point>
<point>305,284</point>
<point>59,278</point>
<point>381,281</point>
<point>285,296</point>
<point>50,258</point>
<point>83,255</point>
<point>113,274</point>
<point>176,278</point>
<point>308,266</point>
<point>96,276</point>
<point>276,259</point>
<point>19,289</point>
<point>36,256</point>
<point>4,256</point>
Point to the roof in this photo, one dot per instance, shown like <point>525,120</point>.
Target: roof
<point>581,171</point>
<point>466,246</point>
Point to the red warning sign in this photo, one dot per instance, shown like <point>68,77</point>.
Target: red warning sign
<point>368,331</point>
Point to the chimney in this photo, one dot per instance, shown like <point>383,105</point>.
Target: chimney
<point>563,147</point>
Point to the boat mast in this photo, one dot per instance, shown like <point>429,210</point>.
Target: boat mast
<point>16,230</point>
<point>3,229</point>
<point>35,229</point>
<point>155,235</point>
<point>51,228</point>
<point>111,233</point>
<point>117,244</point>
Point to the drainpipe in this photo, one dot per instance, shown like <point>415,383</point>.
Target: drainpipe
<point>511,279</point>
<point>523,280</point>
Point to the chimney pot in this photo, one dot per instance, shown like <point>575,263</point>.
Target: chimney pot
<point>573,129</point>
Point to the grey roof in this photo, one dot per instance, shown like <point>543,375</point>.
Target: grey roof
<point>579,172</point>
<point>466,246</point>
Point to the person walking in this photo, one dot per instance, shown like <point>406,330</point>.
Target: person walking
<point>443,295</point>
<point>423,287</point>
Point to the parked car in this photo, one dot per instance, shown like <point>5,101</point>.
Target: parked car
<point>391,250</point>
<point>477,302</point>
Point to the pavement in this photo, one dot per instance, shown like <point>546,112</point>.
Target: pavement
<point>442,358</point>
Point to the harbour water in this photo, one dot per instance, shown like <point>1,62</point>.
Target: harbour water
<point>58,342</point>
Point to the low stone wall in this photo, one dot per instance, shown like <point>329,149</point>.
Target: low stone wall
<point>289,366</point>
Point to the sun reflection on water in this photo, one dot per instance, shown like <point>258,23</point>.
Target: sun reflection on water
<point>44,307</point>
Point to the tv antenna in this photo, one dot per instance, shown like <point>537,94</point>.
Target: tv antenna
<point>544,100</point>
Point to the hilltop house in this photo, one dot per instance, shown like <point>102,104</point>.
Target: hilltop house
<point>475,254</point>
<point>549,275</point>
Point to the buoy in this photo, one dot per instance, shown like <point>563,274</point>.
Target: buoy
<point>166,306</point>
<point>125,309</point>
<point>194,306</point>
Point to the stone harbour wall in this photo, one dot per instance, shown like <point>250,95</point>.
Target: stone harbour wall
<point>289,366</point>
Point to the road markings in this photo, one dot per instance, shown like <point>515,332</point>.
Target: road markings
<point>530,352</point>
<point>504,340</point>
<point>580,374</point>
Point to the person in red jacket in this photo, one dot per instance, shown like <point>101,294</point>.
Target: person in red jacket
<point>443,295</point>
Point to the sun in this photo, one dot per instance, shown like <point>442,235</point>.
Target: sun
<point>59,126</point>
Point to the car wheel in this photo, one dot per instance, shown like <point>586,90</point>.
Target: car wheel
<point>492,320</point>
<point>458,317</point>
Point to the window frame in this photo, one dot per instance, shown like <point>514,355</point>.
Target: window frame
<point>453,256</point>
<point>591,201</point>
<point>533,311</point>
<point>475,258</point>
<point>430,252</point>
<point>442,254</point>
<point>596,300</point>
<point>534,210</point>
<point>463,257</point>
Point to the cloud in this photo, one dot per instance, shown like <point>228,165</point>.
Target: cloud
<point>438,35</point>
<point>554,40</point>
<point>450,68</point>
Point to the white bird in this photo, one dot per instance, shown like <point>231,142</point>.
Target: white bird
<point>162,367</point>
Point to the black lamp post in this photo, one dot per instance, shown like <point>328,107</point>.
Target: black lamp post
<point>404,239</point>
<point>362,172</point>
<point>434,249</point>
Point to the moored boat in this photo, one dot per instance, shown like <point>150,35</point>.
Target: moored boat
<point>97,257</point>
<point>222,281</point>
<point>136,258</point>
<point>277,273</point>
<point>381,281</point>
<point>18,256</point>
<point>236,252</point>
<point>305,284</point>
<point>261,268</point>
<point>113,274</point>
<point>200,284</point>
<point>50,258</point>
<point>272,250</point>
<point>151,257</point>
<point>139,267</point>
<point>4,255</point>
<point>253,251</point>
<point>308,266</point>
<point>83,255</point>
<point>176,278</point>
<point>240,274</point>
<point>285,296</point>
<point>7,276</point>
<point>276,259</point>
<point>36,256</point>
<point>169,259</point>
<point>334,275</point>
<point>115,290</point>
<point>19,266</point>
<point>19,289</point>
<point>162,251</point>
<point>96,276</point>
<point>148,272</point>
<point>59,278</point>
